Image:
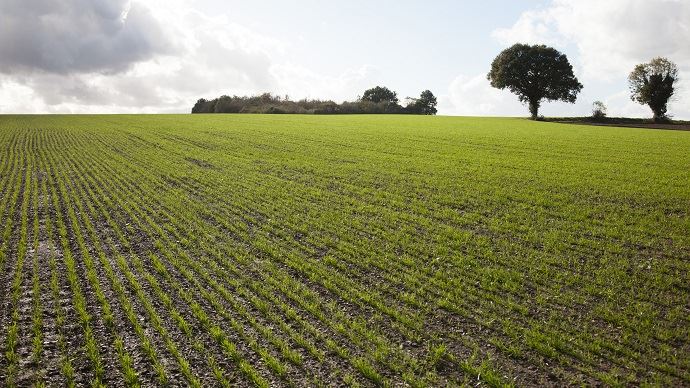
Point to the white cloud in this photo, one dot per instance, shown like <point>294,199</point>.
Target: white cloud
<point>531,27</point>
<point>301,82</point>
<point>73,36</point>
<point>474,96</point>
<point>213,55</point>
<point>611,36</point>
<point>15,97</point>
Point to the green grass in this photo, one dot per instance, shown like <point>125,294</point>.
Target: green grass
<point>260,250</point>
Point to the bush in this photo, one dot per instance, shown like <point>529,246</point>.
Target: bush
<point>598,111</point>
<point>327,108</point>
<point>274,110</point>
<point>424,105</point>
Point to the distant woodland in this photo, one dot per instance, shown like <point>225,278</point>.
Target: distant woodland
<point>377,100</point>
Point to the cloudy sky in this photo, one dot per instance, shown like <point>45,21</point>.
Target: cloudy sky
<point>162,55</point>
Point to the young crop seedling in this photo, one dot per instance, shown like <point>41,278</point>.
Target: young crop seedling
<point>253,250</point>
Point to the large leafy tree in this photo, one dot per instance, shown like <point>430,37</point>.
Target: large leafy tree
<point>379,94</point>
<point>535,73</point>
<point>653,84</point>
<point>427,103</point>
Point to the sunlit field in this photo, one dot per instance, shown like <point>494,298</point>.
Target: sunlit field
<point>254,250</point>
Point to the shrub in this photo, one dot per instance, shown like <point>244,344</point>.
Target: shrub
<point>598,111</point>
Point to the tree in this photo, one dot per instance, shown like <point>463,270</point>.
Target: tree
<point>424,105</point>
<point>203,106</point>
<point>380,94</point>
<point>653,84</point>
<point>535,73</point>
<point>598,111</point>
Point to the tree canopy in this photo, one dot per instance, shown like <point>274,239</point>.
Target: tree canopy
<point>652,84</point>
<point>535,73</point>
<point>380,94</point>
<point>424,105</point>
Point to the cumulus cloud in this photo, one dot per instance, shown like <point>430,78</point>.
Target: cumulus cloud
<point>76,36</point>
<point>474,96</point>
<point>118,56</point>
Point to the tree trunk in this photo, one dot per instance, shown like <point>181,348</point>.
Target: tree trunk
<point>534,108</point>
<point>659,114</point>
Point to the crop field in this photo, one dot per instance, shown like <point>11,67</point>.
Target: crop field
<point>252,250</point>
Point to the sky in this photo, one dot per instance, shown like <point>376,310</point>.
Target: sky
<point>160,56</point>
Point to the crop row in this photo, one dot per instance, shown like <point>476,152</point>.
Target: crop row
<point>270,251</point>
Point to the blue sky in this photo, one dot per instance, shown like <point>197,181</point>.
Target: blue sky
<point>161,55</point>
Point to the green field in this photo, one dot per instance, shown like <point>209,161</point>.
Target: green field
<point>341,250</point>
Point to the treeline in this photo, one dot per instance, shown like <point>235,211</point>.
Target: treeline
<point>378,100</point>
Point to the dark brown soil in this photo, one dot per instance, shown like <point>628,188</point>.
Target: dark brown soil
<point>622,122</point>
